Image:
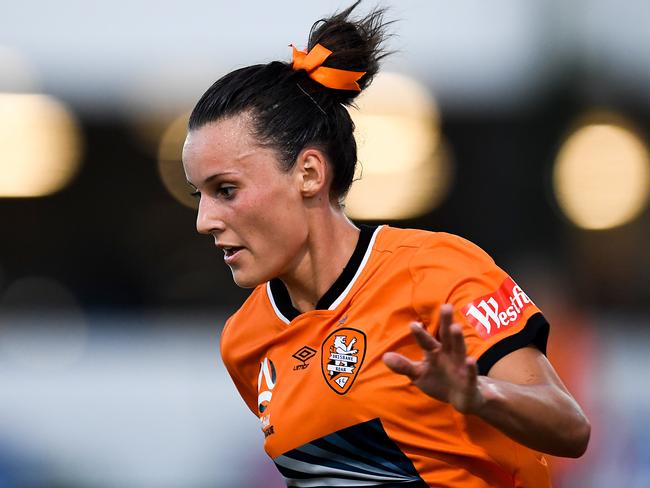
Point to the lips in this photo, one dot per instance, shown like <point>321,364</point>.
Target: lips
<point>230,253</point>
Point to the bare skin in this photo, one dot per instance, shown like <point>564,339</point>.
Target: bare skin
<point>522,395</point>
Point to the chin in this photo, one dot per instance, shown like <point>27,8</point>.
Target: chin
<point>243,281</point>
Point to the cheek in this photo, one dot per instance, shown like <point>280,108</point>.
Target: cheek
<point>277,221</point>
<point>275,205</point>
<point>282,223</point>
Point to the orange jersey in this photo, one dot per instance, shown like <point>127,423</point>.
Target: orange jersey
<point>333,414</point>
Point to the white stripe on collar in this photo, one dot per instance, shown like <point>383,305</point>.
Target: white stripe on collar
<point>275,307</point>
<point>342,296</point>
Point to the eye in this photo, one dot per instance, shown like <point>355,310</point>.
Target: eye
<point>196,194</point>
<point>226,192</point>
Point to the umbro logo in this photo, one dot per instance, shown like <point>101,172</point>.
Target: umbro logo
<point>304,354</point>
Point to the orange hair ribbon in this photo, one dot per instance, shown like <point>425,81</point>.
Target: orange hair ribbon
<point>339,79</point>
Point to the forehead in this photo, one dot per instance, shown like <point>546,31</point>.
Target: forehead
<point>225,145</point>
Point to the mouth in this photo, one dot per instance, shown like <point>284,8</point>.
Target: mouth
<point>230,253</point>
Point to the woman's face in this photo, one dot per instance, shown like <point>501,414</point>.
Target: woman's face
<point>253,209</point>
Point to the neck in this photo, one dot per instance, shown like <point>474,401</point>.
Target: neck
<point>328,248</point>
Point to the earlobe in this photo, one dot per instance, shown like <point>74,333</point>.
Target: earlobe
<point>313,172</point>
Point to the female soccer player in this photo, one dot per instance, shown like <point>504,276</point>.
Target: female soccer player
<point>373,356</point>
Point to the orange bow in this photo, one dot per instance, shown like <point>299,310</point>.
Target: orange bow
<point>339,79</point>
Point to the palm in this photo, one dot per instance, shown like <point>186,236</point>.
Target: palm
<point>445,372</point>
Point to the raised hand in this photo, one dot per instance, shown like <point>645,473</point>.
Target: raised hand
<point>445,372</point>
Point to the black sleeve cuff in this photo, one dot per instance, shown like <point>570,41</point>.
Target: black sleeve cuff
<point>535,332</point>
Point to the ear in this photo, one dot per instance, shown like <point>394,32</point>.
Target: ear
<point>313,172</point>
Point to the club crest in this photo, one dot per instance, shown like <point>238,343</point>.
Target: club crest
<point>341,358</point>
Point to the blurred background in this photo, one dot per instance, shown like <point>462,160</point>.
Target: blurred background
<point>521,125</point>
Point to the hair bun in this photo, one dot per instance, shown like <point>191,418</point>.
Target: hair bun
<point>356,45</point>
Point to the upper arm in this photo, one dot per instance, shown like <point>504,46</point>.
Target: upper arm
<point>497,317</point>
<point>526,366</point>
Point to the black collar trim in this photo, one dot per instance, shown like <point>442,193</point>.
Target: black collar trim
<point>279,296</point>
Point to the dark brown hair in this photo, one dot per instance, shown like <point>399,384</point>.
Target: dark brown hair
<point>290,111</point>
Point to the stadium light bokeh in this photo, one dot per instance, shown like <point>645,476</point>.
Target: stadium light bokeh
<point>602,175</point>
<point>170,166</point>
<point>404,168</point>
<point>40,145</point>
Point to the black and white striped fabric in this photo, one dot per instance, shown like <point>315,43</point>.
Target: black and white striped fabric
<point>361,455</point>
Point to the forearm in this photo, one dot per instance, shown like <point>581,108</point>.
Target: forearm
<point>542,417</point>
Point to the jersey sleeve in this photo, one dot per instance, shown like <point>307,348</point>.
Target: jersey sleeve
<point>229,357</point>
<point>497,317</point>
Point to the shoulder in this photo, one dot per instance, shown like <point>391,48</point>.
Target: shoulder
<point>240,329</point>
<point>449,250</point>
<point>393,238</point>
<point>437,249</point>
<point>446,263</point>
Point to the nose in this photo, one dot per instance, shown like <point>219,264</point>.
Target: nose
<point>209,219</point>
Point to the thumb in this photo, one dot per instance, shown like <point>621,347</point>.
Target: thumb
<point>401,365</point>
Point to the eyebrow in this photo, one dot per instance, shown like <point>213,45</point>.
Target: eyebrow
<point>212,177</point>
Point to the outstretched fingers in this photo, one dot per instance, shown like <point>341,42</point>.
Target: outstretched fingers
<point>446,314</point>
<point>401,365</point>
<point>451,335</point>
<point>472,373</point>
<point>446,373</point>
<point>457,349</point>
<point>426,341</point>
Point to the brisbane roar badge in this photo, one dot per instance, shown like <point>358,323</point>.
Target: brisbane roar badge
<point>342,356</point>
